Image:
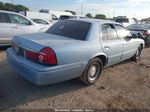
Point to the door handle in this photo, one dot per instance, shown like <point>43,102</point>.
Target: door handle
<point>107,47</point>
<point>14,27</point>
<point>125,44</point>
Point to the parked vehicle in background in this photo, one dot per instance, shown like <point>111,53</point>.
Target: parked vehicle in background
<point>12,24</point>
<point>40,21</point>
<point>143,29</point>
<point>63,17</point>
<point>56,14</point>
<point>125,21</point>
<point>37,15</point>
<point>145,22</point>
<point>71,49</point>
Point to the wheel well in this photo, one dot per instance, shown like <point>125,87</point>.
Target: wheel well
<point>103,58</point>
<point>141,45</point>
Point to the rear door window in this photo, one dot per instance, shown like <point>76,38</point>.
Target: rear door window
<point>104,33</point>
<point>109,32</point>
<point>54,17</point>
<point>70,28</point>
<point>4,18</point>
<point>19,19</point>
<point>121,31</point>
<point>40,21</point>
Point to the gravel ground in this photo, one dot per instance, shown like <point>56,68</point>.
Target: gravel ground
<point>123,86</point>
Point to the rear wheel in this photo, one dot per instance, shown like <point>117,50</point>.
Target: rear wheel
<point>92,71</point>
<point>147,42</point>
<point>137,55</point>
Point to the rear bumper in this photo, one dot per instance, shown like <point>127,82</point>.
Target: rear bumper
<point>40,77</point>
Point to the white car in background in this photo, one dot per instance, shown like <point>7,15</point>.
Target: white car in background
<point>45,15</point>
<point>63,17</point>
<point>41,22</point>
<point>125,21</point>
<point>55,14</point>
<point>37,15</point>
<point>12,24</point>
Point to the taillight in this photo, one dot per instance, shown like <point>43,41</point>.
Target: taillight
<point>32,55</point>
<point>145,33</point>
<point>46,56</point>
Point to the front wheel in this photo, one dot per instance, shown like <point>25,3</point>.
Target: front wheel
<point>137,55</point>
<point>147,42</point>
<point>92,71</point>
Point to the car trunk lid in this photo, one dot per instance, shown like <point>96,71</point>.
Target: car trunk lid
<point>40,40</point>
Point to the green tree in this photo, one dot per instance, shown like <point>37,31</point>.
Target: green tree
<point>1,6</point>
<point>146,19</point>
<point>121,17</point>
<point>135,20</point>
<point>100,16</point>
<point>20,8</point>
<point>89,15</point>
<point>9,7</point>
<point>12,7</point>
<point>72,12</point>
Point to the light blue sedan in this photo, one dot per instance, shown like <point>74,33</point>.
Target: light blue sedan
<point>73,49</point>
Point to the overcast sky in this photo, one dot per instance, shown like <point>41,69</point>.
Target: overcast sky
<point>130,8</point>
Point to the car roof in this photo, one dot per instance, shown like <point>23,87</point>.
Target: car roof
<point>93,21</point>
<point>8,12</point>
<point>73,15</point>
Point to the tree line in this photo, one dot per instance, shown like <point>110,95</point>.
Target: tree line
<point>97,16</point>
<point>12,7</point>
<point>89,15</point>
<point>17,8</point>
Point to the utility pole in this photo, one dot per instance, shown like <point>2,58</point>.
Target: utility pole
<point>12,4</point>
<point>114,13</point>
<point>12,1</point>
<point>81,9</point>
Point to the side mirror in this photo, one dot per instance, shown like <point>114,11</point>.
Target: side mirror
<point>134,36</point>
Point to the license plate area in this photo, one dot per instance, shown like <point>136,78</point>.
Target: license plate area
<point>18,50</point>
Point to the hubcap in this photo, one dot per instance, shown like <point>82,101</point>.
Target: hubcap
<point>94,72</point>
<point>138,54</point>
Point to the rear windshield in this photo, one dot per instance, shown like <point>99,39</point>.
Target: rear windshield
<point>121,20</point>
<point>67,17</point>
<point>64,17</point>
<point>71,29</point>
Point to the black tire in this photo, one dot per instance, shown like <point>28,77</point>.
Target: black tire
<point>137,55</point>
<point>147,42</point>
<point>92,72</point>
